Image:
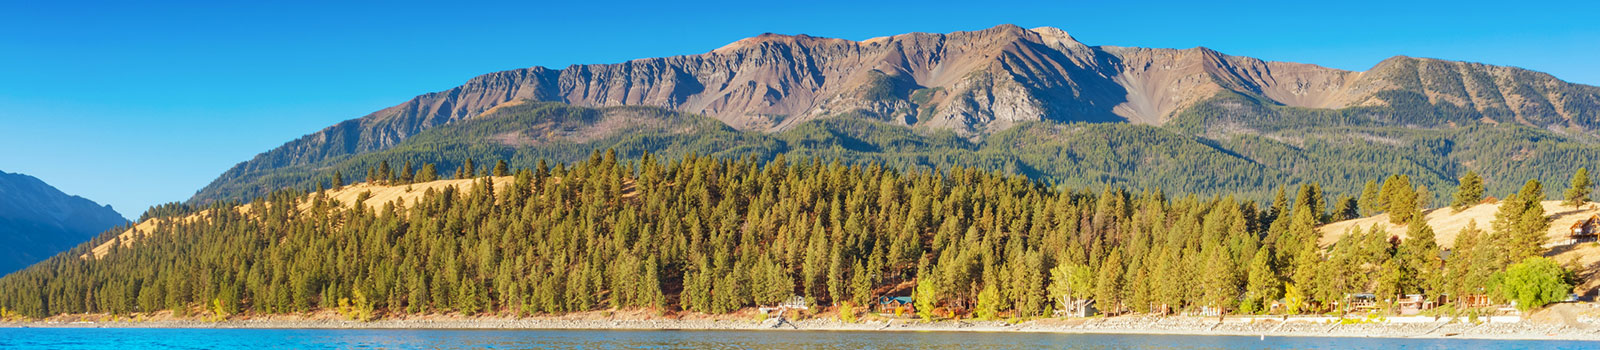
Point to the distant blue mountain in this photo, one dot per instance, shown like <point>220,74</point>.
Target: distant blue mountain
<point>38,221</point>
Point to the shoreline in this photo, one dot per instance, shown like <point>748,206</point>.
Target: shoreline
<point>1124,325</point>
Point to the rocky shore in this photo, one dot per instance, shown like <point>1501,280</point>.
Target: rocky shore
<point>1234,326</point>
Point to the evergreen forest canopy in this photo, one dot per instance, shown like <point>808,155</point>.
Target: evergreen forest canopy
<point>713,235</point>
<point>1207,150</point>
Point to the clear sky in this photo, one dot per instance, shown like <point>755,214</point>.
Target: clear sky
<point>134,103</point>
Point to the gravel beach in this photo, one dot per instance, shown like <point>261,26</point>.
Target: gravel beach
<point>1584,328</point>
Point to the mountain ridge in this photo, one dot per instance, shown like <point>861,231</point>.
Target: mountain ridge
<point>974,83</point>
<point>38,220</point>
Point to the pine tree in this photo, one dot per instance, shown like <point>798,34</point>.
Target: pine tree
<point>338,179</point>
<point>407,172</point>
<point>1468,193</point>
<point>426,174</point>
<point>1108,283</point>
<point>926,294</point>
<point>1310,198</point>
<point>500,168</point>
<point>1347,209</point>
<point>465,171</point>
<point>1578,192</point>
<point>1420,254</point>
<point>1370,201</point>
<point>1399,199</point>
<point>1221,289</point>
<point>1307,266</point>
<point>1263,286</point>
<point>861,285</point>
<point>1424,198</point>
<point>1471,262</point>
<point>385,175</point>
<point>1519,225</point>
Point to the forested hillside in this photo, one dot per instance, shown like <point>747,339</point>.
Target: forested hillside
<point>712,235</point>
<point>1248,163</point>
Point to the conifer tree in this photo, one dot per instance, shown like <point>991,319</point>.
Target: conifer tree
<point>1519,225</point>
<point>426,174</point>
<point>1221,289</point>
<point>384,175</point>
<point>1578,192</point>
<point>466,170</point>
<point>1468,193</point>
<point>1263,286</point>
<point>407,172</point>
<point>1420,254</point>
<point>1310,198</point>
<point>1400,201</point>
<point>1424,199</point>
<point>926,293</point>
<point>1108,283</point>
<point>1370,201</point>
<point>500,168</point>
<point>1472,261</point>
<point>1280,203</point>
<point>338,179</point>
<point>1347,209</point>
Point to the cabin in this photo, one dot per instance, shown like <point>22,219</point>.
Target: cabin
<point>1586,228</point>
<point>1412,304</point>
<point>1078,308</point>
<point>896,305</point>
<point>1362,301</point>
<point>1474,301</point>
<point>793,303</point>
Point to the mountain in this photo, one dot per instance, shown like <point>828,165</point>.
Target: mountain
<point>38,221</point>
<point>976,85</point>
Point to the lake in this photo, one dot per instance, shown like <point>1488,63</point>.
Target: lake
<point>138,338</point>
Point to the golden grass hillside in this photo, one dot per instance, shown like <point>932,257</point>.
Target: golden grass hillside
<point>1447,223</point>
<point>407,194</point>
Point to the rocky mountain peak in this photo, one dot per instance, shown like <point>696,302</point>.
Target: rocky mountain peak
<point>973,83</point>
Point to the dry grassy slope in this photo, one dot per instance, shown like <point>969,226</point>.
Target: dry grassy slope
<point>380,194</point>
<point>1447,224</point>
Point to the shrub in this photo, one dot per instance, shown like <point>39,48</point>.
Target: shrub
<point>1533,283</point>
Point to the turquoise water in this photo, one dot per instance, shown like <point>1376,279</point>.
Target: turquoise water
<point>136,339</point>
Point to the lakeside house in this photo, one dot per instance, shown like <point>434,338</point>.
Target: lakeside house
<point>1474,301</point>
<point>1361,301</point>
<point>1079,308</point>
<point>889,305</point>
<point>1412,304</point>
<point>1584,231</point>
<point>793,303</point>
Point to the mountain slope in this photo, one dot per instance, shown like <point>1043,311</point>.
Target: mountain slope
<point>1075,155</point>
<point>38,221</point>
<point>979,83</point>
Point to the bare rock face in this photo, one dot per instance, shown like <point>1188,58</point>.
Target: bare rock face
<point>974,83</point>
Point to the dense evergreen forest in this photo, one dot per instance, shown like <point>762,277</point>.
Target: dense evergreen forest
<point>713,235</point>
<point>1247,152</point>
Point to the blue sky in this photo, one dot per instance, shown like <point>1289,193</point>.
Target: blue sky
<point>133,104</point>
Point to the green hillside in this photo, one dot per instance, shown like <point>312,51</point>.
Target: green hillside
<point>1251,160</point>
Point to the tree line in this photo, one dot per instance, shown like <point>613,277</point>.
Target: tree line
<point>713,235</point>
